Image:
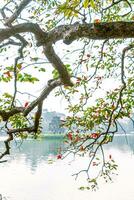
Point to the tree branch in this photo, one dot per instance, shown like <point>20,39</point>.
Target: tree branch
<point>50,86</point>
<point>19,9</point>
<point>43,95</point>
<point>7,142</point>
<point>57,64</point>
<point>69,33</point>
<point>6,33</point>
<point>95,31</point>
<point>5,115</point>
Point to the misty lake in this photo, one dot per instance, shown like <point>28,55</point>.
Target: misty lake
<point>29,173</point>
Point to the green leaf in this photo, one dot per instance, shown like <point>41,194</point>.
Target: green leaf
<point>81,188</point>
<point>86,3</point>
<point>42,69</point>
<point>92,4</point>
<point>55,74</point>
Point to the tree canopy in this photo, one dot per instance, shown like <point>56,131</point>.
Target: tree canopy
<point>95,39</point>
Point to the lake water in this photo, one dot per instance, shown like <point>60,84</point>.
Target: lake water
<point>30,174</point>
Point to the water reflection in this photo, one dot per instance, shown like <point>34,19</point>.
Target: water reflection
<point>27,175</point>
<point>35,152</point>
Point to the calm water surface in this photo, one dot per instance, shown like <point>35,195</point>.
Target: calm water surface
<point>30,174</point>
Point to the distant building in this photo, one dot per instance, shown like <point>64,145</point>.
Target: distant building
<point>51,122</point>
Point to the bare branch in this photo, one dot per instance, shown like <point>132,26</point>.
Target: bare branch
<point>19,9</point>
<point>113,4</point>
<point>20,56</point>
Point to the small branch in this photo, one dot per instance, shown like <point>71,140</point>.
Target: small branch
<point>119,101</point>
<point>7,145</point>
<point>99,61</point>
<point>19,9</point>
<point>112,4</point>
<point>23,45</point>
<point>10,42</point>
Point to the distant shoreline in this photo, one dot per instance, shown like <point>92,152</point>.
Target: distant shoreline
<point>52,135</point>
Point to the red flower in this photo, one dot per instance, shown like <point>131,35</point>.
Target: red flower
<point>77,138</point>
<point>59,156</point>
<point>8,74</point>
<point>70,136</point>
<point>97,21</point>
<point>94,164</point>
<point>94,135</point>
<point>26,104</point>
<point>82,148</point>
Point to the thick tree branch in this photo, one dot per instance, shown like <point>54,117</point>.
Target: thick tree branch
<point>5,115</point>
<point>50,86</point>
<point>95,31</point>
<point>6,33</point>
<point>38,116</point>
<point>57,64</point>
<point>18,130</point>
<point>69,33</point>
